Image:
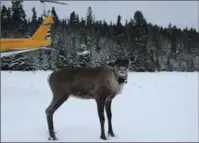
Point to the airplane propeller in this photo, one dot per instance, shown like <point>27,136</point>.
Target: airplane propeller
<point>52,1</point>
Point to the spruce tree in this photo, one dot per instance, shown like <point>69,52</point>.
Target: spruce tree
<point>140,25</point>
<point>5,21</point>
<point>89,17</point>
<point>55,16</point>
<point>19,18</point>
<point>34,22</point>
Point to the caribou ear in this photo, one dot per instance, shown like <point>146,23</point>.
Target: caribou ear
<point>117,61</point>
<point>127,61</point>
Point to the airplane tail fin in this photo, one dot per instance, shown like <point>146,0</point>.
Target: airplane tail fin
<point>43,32</point>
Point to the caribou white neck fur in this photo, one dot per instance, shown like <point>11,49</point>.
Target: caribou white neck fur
<point>121,72</point>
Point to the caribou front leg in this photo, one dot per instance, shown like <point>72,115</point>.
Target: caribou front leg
<point>109,116</point>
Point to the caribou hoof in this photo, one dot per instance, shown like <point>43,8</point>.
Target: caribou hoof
<point>103,137</point>
<point>52,138</point>
<point>111,134</point>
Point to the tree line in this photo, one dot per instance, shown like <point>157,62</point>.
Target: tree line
<point>149,47</point>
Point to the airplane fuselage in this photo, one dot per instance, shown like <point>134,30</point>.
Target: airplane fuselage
<point>20,44</point>
<point>40,39</point>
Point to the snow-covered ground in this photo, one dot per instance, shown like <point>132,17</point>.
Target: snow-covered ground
<point>153,107</point>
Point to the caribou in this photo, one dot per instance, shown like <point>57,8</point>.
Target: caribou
<point>100,83</point>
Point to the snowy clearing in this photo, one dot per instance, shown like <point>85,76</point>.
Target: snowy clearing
<point>153,107</point>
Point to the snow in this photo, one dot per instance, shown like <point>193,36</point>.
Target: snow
<point>152,107</point>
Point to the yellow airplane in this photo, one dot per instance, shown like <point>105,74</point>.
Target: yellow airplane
<point>40,39</point>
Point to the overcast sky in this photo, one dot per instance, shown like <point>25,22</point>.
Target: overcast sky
<point>179,13</point>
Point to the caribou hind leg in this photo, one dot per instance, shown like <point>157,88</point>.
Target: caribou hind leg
<point>109,116</point>
<point>55,104</point>
<point>100,108</point>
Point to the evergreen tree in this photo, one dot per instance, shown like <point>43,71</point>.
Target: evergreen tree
<point>4,14</point>
<point>77,19</point>
<point>40,20</point>
<point>140,25</point>
<point>118,28</point>
<point>89,17</point>
<point>73,20</point>
<point>34,22</point>
<point>19,18</point>
<point>105,28</point>
<point>5,21</point>
<point>82,23</point>
<point>119,31</point>
<point>34,15</point>
<point>55,16</point>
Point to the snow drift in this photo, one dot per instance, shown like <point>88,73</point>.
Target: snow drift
<point>153,107</point>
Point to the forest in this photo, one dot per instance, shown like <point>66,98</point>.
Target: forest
<point>149,47</point>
